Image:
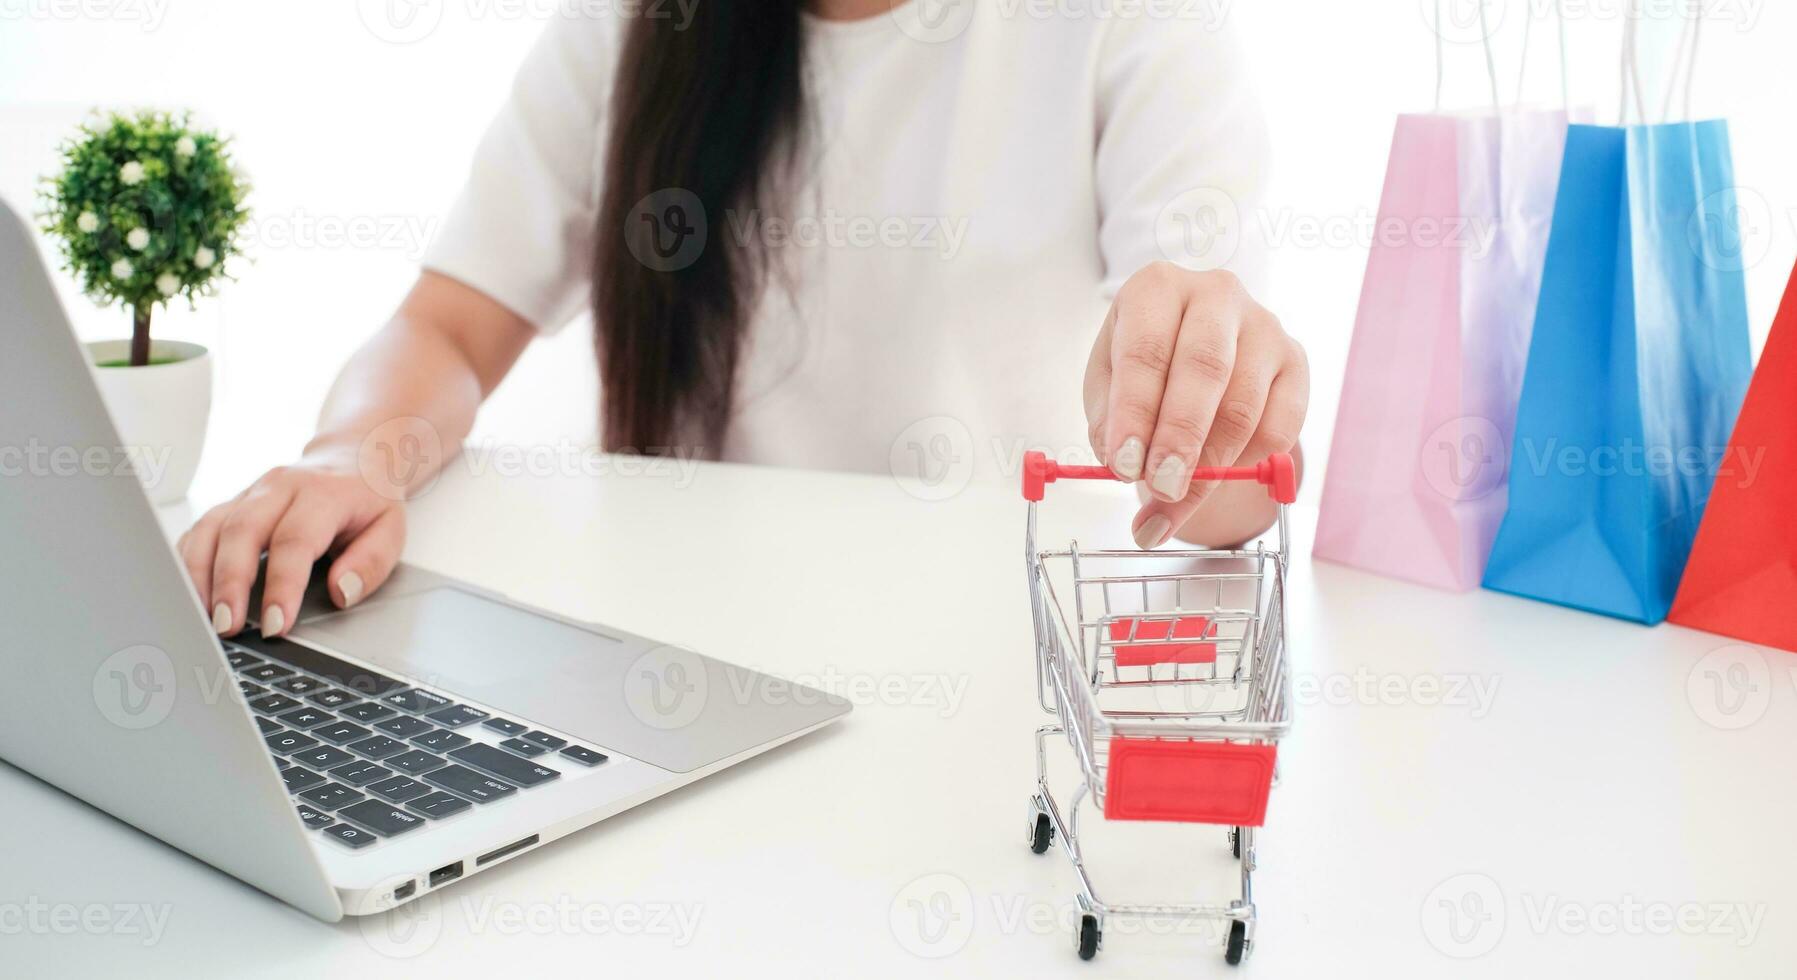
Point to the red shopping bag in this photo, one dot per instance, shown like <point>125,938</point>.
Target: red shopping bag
<point>1741,580</point>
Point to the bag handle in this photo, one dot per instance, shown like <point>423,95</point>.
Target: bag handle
<point>1528,23</point>
<point>1684,58</point>
<point>1491,56</point>
<point>1277,473</point>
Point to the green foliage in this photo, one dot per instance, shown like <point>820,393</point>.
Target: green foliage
<point>145,209</point>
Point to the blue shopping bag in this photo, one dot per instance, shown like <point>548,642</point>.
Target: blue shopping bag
<point>1638,364</point>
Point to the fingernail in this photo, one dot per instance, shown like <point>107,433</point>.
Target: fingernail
<point>273,621</point>
<point>1170,480</point>
<point>351,587</point>
<point>1153,532</point>
<point>1128,461</point>
<point>221,618</point>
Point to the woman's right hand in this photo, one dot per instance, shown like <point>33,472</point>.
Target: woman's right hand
<point>297,514</point>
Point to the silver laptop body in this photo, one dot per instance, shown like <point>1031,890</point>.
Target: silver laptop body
<point>427,735</point>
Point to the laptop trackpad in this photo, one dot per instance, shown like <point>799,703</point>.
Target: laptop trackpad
<point>668,707</point>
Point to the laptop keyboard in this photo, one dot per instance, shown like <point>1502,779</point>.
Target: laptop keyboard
<point>368,757</point>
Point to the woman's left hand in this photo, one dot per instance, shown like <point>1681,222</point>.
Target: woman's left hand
<point>1189,370</point>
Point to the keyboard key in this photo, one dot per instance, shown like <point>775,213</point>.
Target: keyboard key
<point>473,785</point>
<point>382,818</point>
<point>267,725</point>
<point>250,690</point>
<point>376,747</point>
<point>506,766</point>
<point>584,755</point>
<point>529,750</point>
<point>304,717</point>
<point>284,741</point>
<point>456,715</point>
<point>342,732</point>
<point>240,658</point>
<point>405,726</point>
<point>415,701</point>
<point>438,805</point>
<point>398,789</point>
<point>366,683</point>
<point>360,773</point>
<point>300,779</point>
<point>300,685</point>
<point>274,704</point>
<point>440,740</point>
<point>330,796</point>
<point>547,740</point>
<point>322,757</point>
<point>415,762</point>
<point>315,819</point>
<point>504,727</point>
<point>266,672</point>
<point>366,711</point>
<point>332,698</point>
<point>349,836</point>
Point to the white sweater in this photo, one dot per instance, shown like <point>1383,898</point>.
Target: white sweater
<point>981,179</point>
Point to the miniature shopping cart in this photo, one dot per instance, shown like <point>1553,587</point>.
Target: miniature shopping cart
<point>1166,671</point>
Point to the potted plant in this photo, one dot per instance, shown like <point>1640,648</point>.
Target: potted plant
<point>147,208</point>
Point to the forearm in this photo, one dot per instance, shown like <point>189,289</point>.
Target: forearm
<point>402,406</point>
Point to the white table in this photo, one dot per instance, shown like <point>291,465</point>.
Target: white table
<point>1575,774</point>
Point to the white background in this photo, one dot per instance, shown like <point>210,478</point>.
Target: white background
<point>357,134</point>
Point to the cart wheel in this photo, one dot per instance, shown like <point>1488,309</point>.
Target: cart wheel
<point>1042,834</point>
<point>1235,842</point>
<point>1088,936</point>
<point>1238,942</point>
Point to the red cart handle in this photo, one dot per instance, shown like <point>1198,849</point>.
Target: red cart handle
<point>1277,473</point>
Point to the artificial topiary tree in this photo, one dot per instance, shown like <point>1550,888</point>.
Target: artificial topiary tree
<point>145,209</point>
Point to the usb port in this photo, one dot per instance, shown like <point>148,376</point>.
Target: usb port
<point>405,891</point>
<point>448,872</point>
<point>512,848</point>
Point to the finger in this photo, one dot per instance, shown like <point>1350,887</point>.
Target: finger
<point>1238,415</point>
<point>1287,401</point>
<point>299,539</point>
<point>1203,366</point>
<point>1096,392</point>
<point>241,538</point>
<point>368,559</point>
<point>1149,307</point>
<point>197,548</point>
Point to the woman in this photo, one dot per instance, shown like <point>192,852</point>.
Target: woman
<point>801,227</point>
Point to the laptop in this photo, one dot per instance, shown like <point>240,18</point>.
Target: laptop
<point>367,758</point>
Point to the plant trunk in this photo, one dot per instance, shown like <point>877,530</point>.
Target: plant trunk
<point>140,335</point>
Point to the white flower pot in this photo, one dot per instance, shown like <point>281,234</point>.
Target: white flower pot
<point>160,409</point>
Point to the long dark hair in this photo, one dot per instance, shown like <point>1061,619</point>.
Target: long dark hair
<point>703,117</point>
